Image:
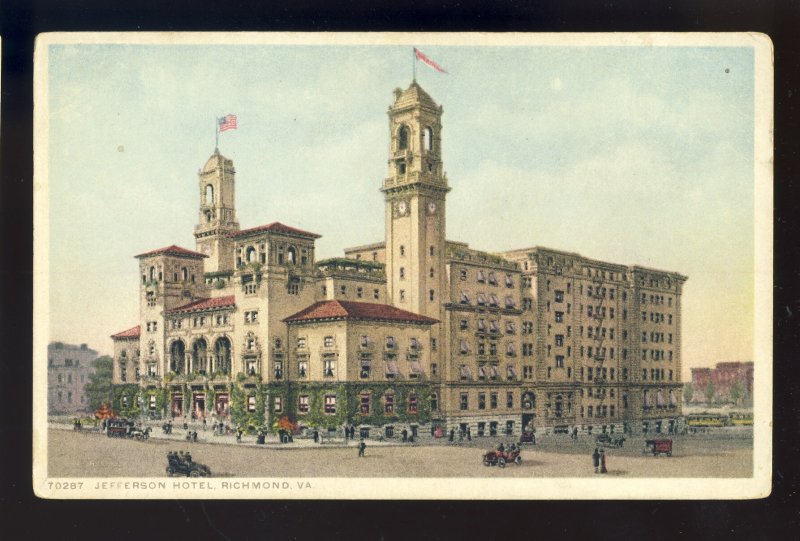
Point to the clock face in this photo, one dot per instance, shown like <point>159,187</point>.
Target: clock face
<point>402,207</point>
<point>431,207</point>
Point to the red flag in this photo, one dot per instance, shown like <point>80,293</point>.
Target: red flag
<point>227,122</point>
<point>428,61</point>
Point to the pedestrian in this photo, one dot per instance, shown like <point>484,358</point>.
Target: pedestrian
<point>452,435</point>
<point>352,432</point>
<point>405,435</point>
<point>469,434</point>
<point>603,461</point>
<point>316,436</point>
<point>362,446</point>
<point>596,460</point>
<point>185,425</point>
<point>204,424</point>
<point>238,435</point>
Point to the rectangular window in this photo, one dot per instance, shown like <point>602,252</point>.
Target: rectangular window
<point>559,340</point>
<point>464,401</point>
<point>329,367</point>
<point>359,292</point>
<point>509,400</point>
<point>278,404</point>
<point>328,341</point>
<point>364,404</point>
<point>412,404</point>
<point>302,403</point>
<point>388,404</point>
<point>251,403</point>
<point>481,401</point>
<point>559,296</point>
<point>376,294</point>
<point>559,361</point>
<point>493,400</point>
<point>330,404</point>
<point>463,325</point>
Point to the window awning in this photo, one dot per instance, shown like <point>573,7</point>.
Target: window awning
<point>464,298</point>
<point>391,367</point>
<point>511,372</point>
<point>493,326</point>
<point>366,363</point>
<point>494,372</point>
<point>464,346</point>
<point>510,328</point>
<point>464,371</point>
<point>481,324</point>
<point>495,302</point>
<point>482,371</point>
<point>509,280</point>
<point>481,298</point>
<point>672,400</point>
<point>416,368</point>
<point>659,399</point>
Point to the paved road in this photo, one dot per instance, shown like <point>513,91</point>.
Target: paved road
<point>77,454</point>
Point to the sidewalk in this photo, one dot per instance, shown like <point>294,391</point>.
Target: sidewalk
<point>272,442</point>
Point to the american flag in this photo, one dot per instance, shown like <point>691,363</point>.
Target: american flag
<point>421,56</point>
<point>227,122</point>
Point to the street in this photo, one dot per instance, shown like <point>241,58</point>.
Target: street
<point>92,454</point>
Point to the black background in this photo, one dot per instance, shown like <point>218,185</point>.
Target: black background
<point>22,516</point>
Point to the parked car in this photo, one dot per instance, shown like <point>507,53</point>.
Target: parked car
<point>658,446</point>
<point>501,458</point>
<point>182,464</point>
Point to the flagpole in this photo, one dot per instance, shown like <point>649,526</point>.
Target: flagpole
<point>414,63</point>
<point>216,135</point>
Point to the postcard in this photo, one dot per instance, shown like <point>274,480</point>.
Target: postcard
<point>403,266</point>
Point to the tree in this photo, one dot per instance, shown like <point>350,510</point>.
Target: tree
<point>710,392</point>
<point>687,393</point>
<point>736,391</point>
<point>98,390</point>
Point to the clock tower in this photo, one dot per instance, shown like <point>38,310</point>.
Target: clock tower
<point>415,192</point>
<point>216,181</point>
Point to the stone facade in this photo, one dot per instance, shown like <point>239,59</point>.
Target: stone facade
<point>502,342</point>
<point>68,370</point>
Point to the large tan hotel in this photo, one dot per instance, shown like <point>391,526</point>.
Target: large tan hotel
<point>413,332</point>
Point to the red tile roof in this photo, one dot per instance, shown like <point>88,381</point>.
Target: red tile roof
<point>205,304</point>
<point>357,310</point>
<point>174,251</point>
<point>133,332</point>
<point>276,227</point>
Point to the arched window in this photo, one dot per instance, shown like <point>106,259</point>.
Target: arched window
<point>251,254</point>
<point>199,356</point>
<point>222,356</point>
<point>291,255</point>
<point>152,274</point>
<point>427,139</point>
<point>209,194</point>
<point>184,273</point>
<point>528,401</point>
<point>402,138</point>
<point>177,362</point>
<point>402,250</point>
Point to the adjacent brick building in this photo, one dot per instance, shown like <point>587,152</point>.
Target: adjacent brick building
<point>68,369</point>
<point>724,377</point>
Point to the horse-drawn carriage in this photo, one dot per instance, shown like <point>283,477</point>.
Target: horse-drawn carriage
<point>607,440</point>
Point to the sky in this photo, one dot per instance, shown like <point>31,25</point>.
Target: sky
<point>634,155</point>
